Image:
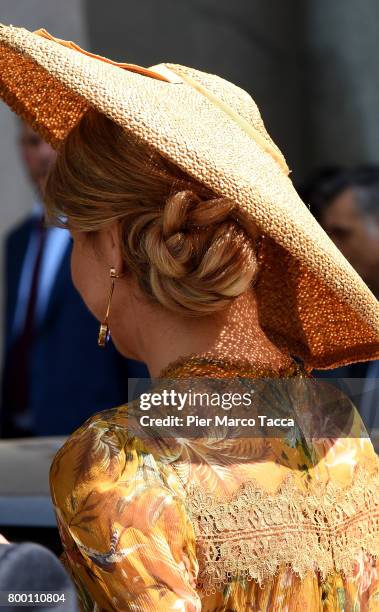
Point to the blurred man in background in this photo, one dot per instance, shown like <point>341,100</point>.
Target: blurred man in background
<point>43,311</point>
<point>346,204</point>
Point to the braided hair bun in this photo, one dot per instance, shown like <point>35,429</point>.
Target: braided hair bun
<point>194,255</point>
<point>189,249</point>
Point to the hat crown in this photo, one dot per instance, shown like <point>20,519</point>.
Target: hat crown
<point>233,96</point>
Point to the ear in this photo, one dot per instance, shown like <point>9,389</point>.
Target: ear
<point>112,247</point>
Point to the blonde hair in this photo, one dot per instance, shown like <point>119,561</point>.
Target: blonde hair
<point>188,248</point>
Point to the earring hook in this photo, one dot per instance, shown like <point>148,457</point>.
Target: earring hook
<point>104,331</point>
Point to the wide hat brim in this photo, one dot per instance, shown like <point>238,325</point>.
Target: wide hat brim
<point>311,301</point>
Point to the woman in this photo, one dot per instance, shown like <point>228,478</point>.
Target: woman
<point>178,200</point>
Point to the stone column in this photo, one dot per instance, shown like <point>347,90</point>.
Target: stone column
<point>342,81</point>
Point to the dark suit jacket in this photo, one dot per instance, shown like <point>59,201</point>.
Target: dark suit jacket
<point>30,567</point>
<point>71,378</point>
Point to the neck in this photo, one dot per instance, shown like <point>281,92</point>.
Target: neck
<point>234,334</point>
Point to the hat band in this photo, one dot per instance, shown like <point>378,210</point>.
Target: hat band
<point>131,67</point>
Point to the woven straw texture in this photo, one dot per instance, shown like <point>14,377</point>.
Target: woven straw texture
<point>311,300</point>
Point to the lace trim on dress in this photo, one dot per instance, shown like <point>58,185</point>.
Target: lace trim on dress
<point>254,533</point>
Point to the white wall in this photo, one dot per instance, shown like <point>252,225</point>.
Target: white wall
<point>62,18</point>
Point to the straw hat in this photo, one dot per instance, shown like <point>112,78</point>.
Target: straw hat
<point>310,298</point>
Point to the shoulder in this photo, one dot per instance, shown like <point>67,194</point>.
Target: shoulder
<point>93,453</point>
<point>108,489</point>
<point>101,457</point>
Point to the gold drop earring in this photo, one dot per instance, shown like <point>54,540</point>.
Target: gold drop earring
<point>104,332</point>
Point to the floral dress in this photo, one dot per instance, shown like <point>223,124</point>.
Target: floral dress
<point>221,523</point>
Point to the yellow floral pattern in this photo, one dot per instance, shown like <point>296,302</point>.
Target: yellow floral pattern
<point>263,524</point>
